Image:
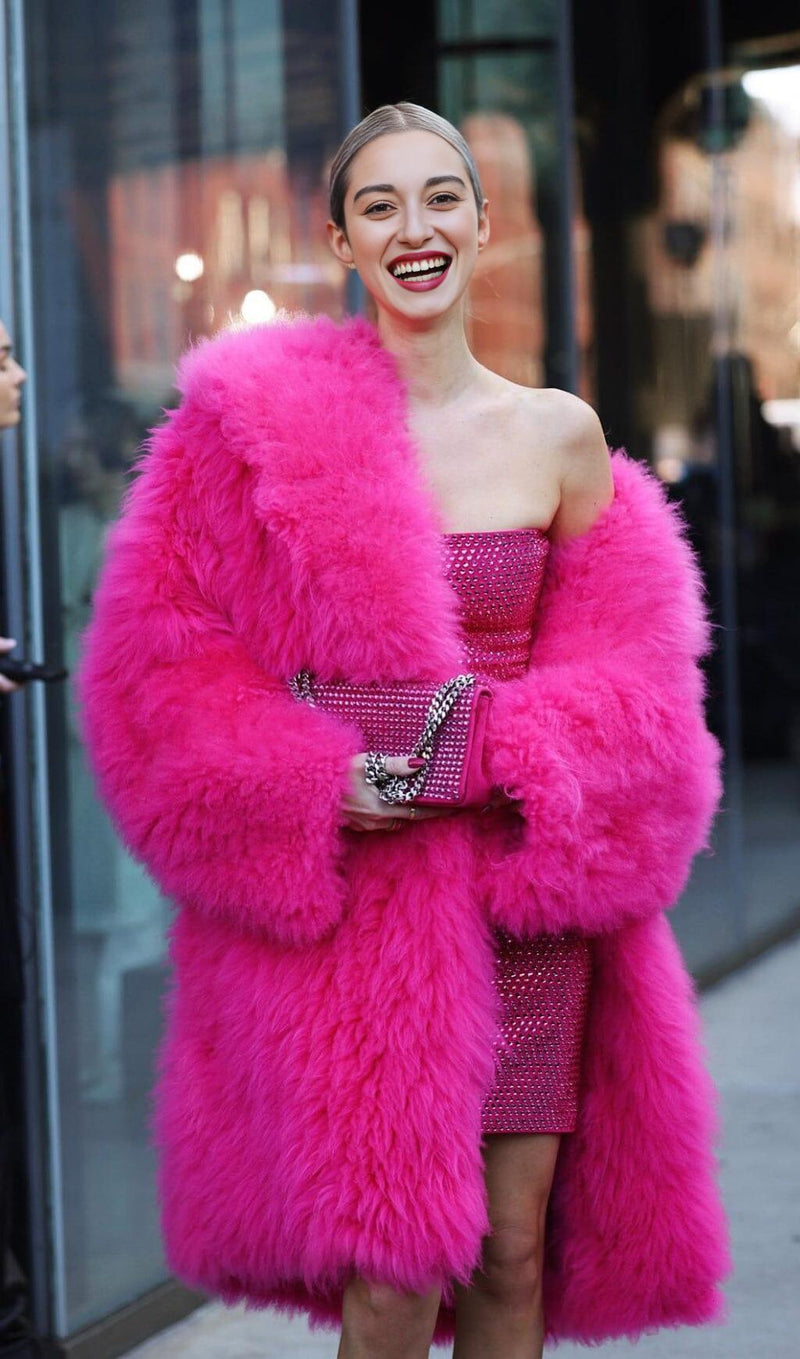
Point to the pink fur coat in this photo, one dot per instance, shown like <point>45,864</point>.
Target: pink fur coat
<point>331,1018</point>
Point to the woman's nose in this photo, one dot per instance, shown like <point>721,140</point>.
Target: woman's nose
<point>415,229</point>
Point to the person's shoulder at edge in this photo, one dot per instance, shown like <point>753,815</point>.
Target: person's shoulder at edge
<point>583,463</point>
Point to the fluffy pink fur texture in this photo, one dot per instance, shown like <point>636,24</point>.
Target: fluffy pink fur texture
<point>331,1016</point>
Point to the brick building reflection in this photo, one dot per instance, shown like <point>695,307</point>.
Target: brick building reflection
<point>507,321</point>
<point>252,228</point>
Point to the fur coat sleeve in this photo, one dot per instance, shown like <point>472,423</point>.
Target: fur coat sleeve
<point>604,740</point>
<point>212,773</point>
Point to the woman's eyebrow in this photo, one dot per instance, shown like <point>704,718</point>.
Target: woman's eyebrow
<point>429,184</point>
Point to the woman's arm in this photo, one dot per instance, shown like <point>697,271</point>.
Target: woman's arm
<point>586,484</point>
<point>227,789</point>
<point>603,744</point>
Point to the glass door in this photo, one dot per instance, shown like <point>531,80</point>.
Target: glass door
<point>177,160</point>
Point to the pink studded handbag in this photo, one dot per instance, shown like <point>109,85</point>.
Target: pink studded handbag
<point>445,724</point>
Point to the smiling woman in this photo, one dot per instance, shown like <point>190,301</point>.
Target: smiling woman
<point>440,218</point>
<point>419,1056</point>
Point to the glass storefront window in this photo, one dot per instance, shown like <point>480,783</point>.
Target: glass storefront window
<point>694,208</point>
<point>178,159</point>
<point>721,262</point>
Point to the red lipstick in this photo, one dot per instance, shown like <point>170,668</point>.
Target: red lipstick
<point>421,270</point>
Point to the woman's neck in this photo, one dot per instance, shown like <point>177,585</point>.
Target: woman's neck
<point>435,361</point>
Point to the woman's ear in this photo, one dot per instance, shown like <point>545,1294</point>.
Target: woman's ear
<point>339,244</point>
<point>484,228</point>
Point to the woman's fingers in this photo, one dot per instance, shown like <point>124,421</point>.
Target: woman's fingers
<point>363,796</point>
<point>400,766</point>
<point>364,809</point>
<point>7,686</point>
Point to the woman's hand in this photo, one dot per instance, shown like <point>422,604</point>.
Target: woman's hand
<point>364,810</point>
<point>7,686</point>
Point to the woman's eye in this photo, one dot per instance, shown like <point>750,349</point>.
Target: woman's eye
<point>438,199</point>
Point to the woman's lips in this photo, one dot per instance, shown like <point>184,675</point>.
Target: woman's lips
<point>414,284</point>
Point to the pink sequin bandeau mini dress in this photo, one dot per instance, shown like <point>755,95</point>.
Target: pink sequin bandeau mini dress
<point>542,981</point>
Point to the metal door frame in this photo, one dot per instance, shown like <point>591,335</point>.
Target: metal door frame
<point>28,774</point>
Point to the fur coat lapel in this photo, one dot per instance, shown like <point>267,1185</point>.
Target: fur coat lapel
<point>337,438</point>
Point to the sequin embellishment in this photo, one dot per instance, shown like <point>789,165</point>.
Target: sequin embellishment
<point>542,982</point>
<point>498,578</point>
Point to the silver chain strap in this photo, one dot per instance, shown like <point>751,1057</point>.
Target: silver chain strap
<point>302,686</point>
<point>395,788</point>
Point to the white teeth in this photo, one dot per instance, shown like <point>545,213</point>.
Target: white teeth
<point>419,266</point>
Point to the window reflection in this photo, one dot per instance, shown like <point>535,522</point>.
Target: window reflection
<point>710,285</point>
<point>249,228</point>
<point>498,81</point>
<point>179,159</point>
<point>506,296</point>
<point>504,104</point>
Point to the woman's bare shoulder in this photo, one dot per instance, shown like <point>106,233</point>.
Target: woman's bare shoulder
<point>582,459</point>
<point>568,416</point>
<point>564,419</point>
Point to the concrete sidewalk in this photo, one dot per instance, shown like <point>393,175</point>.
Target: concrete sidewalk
<point>751,1028</point>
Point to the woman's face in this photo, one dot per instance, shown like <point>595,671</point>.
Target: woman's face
<point>413,230</point>
<point>11,380</point>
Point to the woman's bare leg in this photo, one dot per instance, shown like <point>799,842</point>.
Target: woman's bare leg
<point>380,1323</point>
<point>500,1315</point>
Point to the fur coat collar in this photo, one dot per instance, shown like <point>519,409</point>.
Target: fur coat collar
<point>330,1021</point>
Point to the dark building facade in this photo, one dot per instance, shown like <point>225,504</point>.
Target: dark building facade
<point>163,173</point>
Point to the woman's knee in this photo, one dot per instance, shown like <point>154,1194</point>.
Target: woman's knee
<point>511,1264</point>
<point>380,1309</point>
